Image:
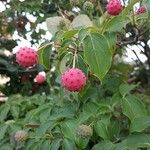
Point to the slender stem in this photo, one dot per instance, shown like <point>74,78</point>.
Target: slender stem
<point>45,45</point>
<point>74,58</point>
<point>100,8</point>
<point>133,17</point>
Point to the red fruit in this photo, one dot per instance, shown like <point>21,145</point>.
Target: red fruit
<point>114,7</point>
<point>40,78</point>
<point>26,57</point>
<point>141,10</point>
<point>73,80</point>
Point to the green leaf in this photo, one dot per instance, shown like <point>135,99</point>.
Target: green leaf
<point>3,112</point>
<point>83,142</point>
<point>134,141</point>
<point>55,145</point>
<point>140,123</point>
<point>49,125</point>
<point>63,63</point>
<point>114,129</point>
<point>115,24</point>
<point>14,111</point>
<point>97,54</point>
<point>46,145</point>
<point>104,145</point>
<point>70,34</point>
<point>91,108</point>
<point>69,129</point>
<point>44,55</point>
<point>132,107</point>
<point>3,129</point>
<point>68,145</point>
<point>101,128</point>
<point>125,89</point>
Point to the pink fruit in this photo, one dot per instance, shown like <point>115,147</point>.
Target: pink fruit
<point>141,10</point>
<point>26,57</point>
<point>40,78</point>
<point>73,80</point>
<point>114,7</point>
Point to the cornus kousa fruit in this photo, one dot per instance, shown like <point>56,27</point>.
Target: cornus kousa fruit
<point>26,57</point>
<point>114,7</point>
<point>84,131</point>
<point>73,80</point>
<point>40,77</point>
<point>21,136</point>
<point>141,10</point>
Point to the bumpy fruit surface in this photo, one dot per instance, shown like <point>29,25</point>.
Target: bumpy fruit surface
<point>26,57</point>
<point>84,131</point>
<point>21,136</point>
<point>88,6</point>
<point>114,7</point>
<point>142,10</point>
<point>73,80</point>
<point>74,2</point>
<point>40,78</point>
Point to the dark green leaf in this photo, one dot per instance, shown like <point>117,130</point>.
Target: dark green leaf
<point>44,55</point>
<point>97,54</point>
<point>132,107</point>
<point>68,145</point>
<point>125,89</point>
<point>56,143</point>
<point>3,129</point>
<point>104,145</point>
<point>140,123</point>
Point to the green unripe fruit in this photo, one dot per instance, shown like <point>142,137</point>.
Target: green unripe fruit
<point>88,6</point>
<point>74,2</point>
<point>84,131</point>
<point>21,136</point>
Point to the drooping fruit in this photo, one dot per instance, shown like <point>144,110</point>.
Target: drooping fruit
<point>142,10</point>
<point>40,78</point>
<point>73,80</point>
<point>26,57</point>
<point>21,136</point>
<point>114,7</point>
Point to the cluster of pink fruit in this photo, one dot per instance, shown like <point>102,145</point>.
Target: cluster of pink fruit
<point>27,57</point>
<point>114,7</point>
<point>72,80</point>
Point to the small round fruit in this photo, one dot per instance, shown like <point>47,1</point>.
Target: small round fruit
<point>40,78</point>
<point>114,7</point>
<point>26,57</point>
<point>21,136</point>
<point>88,6</point>
<point>142,10</point>
<point>73,80</point>
<point>84,131</point>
